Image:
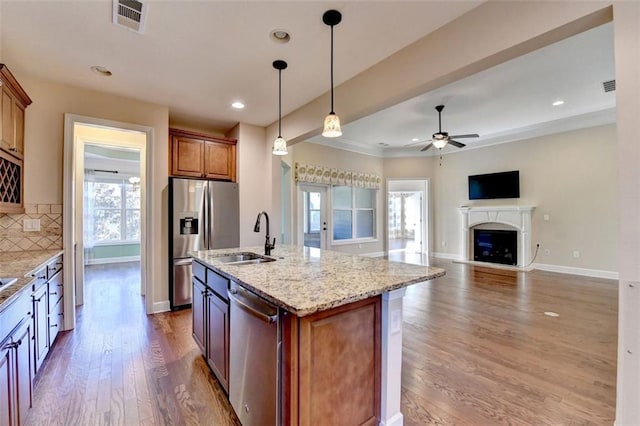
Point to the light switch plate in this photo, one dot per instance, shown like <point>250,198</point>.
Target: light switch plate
<point>31,225</point>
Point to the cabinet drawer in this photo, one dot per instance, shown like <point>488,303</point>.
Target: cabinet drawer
<point>218,284</point>
<point>40,278</point>
<point>56,318</point>
<point>11,315</point>
<point>55,290</point>
<point>54,267</point>
<point>199,271</point>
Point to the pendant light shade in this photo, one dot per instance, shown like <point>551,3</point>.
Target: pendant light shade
<point>332,121</point>
<point>279,144</point>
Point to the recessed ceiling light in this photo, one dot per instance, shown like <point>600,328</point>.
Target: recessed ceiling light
<point>280,36</point>
<point>103,71</point>
<point>415,140</point>
<point>558,103</point>
<point>237,105</point>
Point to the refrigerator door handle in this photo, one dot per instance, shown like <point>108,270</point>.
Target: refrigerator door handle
<point>210,221</point>
<point>182,262</point>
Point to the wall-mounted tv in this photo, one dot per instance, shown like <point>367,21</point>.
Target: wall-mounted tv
<point>494,185</point>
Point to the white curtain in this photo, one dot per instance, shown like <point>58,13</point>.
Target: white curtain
<point>88,215</point>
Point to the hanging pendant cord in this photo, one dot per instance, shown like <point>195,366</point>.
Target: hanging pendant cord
<point>332,70</point>
<point>439,122</point>
<point>279,103</point>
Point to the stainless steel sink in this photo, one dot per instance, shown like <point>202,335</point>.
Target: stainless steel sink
<point>6,282</point>
<point>245,258</point>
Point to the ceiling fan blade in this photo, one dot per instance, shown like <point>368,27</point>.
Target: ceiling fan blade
<point>471,135</point>
<point>456,143</point>
<point>426,147</point>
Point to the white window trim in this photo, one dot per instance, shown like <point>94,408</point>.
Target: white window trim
<point>353,209</point>
<point>123,209</point>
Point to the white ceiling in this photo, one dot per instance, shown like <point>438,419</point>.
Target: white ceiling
<point>511,101</point>
<point>198,57</point>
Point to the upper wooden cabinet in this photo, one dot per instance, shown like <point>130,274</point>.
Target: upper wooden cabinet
<point>197,155</point>
<point>13,103</point>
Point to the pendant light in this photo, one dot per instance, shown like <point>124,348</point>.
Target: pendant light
<point>332,121</point>
<point>279,144</point>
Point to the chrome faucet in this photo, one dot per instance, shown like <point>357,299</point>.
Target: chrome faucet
<point>268,246</point>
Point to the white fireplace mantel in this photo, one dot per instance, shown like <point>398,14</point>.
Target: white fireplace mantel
<point>518,217</point>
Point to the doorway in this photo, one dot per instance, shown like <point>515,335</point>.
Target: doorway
<point>312,216</point>
<point>405,222</point>
<point>407,217</point>
<point>119,217</point>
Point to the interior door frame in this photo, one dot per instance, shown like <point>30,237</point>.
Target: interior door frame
<point>71,175</point>
<point>324,213</point>
<point>412,185</point>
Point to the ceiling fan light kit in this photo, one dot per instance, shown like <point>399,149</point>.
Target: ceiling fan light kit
<point>279,144</point>
<point>441,139</point>
<point>331,127</point>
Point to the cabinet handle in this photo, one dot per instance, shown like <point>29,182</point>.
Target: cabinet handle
<point>54,325</point>
<point>37,300</point>
<point>53,293</point>
<point>14,149</point>
<point>40,278</point>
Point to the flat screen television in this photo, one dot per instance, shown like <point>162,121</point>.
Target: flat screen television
<point>495,185</point>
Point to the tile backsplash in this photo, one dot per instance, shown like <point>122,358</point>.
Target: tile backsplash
<point>14,238</point>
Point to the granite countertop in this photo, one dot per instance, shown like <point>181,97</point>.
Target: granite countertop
<point>21,265</point>
<point>305,280</point>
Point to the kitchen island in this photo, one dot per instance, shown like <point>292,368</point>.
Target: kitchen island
<point>339,322</point>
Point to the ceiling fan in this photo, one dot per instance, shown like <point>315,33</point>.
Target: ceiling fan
<point>440,139</point>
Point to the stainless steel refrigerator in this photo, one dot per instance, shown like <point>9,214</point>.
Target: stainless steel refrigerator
<point>203,215</point>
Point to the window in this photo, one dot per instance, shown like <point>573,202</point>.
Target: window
<point>116,211</point>
<point>353,213</point>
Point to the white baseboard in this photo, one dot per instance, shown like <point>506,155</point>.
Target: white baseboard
<point>596,273</point>
<point>106,260</point>
<point>395,420</point>
<point>163,306</point>
<point>449,256</point>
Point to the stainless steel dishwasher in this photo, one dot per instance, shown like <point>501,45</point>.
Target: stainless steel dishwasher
<point>254,358</point>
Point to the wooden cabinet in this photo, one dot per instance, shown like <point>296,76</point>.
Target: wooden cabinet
<point>211,319</point>
<point>199,310</point>
<point>40,325</point>
<point>331,366</point>
<point>13,102</point>
<point>48,309</point>
<point>217,353</point>
<point>16,375</point>
<point>202,156</point>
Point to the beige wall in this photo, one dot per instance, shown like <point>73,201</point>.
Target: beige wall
<point>569,176</point>
<point>44,153</point>
<point>254,177</point>
<point>321,155</point>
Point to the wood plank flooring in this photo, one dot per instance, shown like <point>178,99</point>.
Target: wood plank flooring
<point>122,367</point>
<point>478,350</point>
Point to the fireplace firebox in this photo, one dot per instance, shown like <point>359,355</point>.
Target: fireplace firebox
<point>495,246</point>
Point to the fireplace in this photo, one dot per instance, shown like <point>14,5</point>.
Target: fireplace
<point>515,219</point>
<point>495,246</point>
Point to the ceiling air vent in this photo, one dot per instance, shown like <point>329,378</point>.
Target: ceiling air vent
<point>609,86</point>
<point>130,14</point>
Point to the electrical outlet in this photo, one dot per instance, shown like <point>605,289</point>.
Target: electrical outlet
<point>546,217</point>
<point>443,244</point>
<point>576,254</point>
<point>547,252</point>
<point>31,225</point>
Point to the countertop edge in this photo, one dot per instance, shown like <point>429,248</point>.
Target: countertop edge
<point>324,305</point>
<point>25,280</point>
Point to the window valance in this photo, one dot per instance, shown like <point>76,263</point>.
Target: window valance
<point>331,176</point>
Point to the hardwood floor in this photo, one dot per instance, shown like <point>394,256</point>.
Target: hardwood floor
<point>122,367</point>
<point>478,350</point>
